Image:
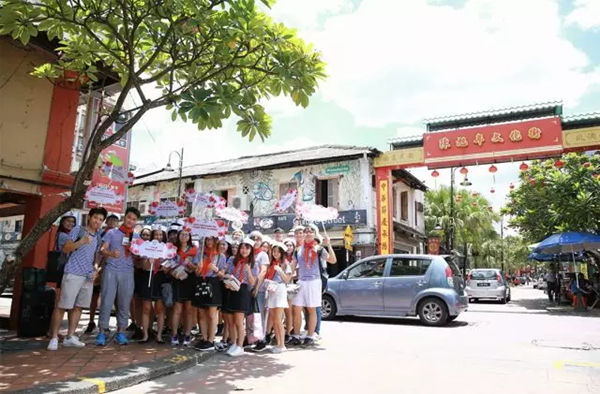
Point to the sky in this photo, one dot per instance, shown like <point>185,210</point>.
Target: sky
<point>392,64</point>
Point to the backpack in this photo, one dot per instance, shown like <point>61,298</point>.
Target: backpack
<point>322,271</point>
<point>57,259</point>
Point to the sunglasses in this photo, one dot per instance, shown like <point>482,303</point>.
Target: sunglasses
<point>255,238</point>
<point>309,231</point>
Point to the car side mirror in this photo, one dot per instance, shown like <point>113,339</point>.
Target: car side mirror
<point>345,275</point>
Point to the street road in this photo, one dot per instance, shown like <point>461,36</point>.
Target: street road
<point>519,347</point>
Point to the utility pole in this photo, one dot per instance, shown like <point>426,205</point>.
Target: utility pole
<point>450,240</point>
<point>502,241</point>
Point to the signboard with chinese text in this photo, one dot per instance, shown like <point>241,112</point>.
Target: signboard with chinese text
<point>409,157</point>
<point>433,245</point>
<point>581,139</point>
<point>384,227</point>
<point>487,144</point>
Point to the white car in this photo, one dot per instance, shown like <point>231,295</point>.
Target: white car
<point>488,283</point>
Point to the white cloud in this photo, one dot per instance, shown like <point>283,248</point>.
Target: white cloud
<point>306,14</point>
<point>586,14</point>
<point>392,61</point>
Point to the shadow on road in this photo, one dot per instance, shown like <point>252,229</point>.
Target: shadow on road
<point>223,375</point>
<point>406,321</point>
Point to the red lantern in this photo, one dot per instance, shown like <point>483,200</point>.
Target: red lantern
<point>492,190</point>
<point>464,171</point>
<point>490,208</point>
<point>511,186</point>
<point>532,181</point>
<point>587,164</point>
<point>493,169</point>
<point>475,194</point>
<point>523,167</point>
<point>435,174</point>
<point>559,163</point>
<point>474,204</point>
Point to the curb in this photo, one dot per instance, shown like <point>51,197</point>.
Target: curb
<point>127,376</point>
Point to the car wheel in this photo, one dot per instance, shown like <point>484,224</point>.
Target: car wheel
<point>328,308</point>
<point>433,312</point>
<point>504,300</point>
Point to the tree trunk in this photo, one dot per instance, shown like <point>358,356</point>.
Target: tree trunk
<point>77,190</point>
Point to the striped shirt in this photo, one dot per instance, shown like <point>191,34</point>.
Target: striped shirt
<point>81,260</point>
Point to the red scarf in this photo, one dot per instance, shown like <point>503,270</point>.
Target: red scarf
<point>127,232</point>
<point>257,250</point>
<point>309,250</point>
<point>238,270</point>
<point>271,269</point>
<point>191,252</point>
<point>209,255</point>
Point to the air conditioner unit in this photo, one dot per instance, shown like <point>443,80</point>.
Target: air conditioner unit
<point>241,202</point>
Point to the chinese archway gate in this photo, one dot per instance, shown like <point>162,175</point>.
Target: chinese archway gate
<point>524,133</point>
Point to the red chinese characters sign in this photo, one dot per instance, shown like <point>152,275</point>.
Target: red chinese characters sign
<point>384,219</point>
<point>117,158</point>
<point>486,144</point>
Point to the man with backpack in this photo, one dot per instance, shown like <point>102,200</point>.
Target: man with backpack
<point>79,273</point>
<point>307,260</point>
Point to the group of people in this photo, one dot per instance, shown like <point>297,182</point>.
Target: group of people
<point>252,290</point>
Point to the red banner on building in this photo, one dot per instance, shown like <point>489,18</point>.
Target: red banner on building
<point>112,164</point>
<point>487,144</point>
<point>384,209</point>
<point>433,245</point>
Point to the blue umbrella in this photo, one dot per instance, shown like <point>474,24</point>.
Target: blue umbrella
<point>569,242</point>
<point>553,257</point>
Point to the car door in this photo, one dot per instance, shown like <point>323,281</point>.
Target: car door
<point>362,289</point>
<point>407,277</point>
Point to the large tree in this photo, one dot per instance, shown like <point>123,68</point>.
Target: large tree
<point>473,218</point>
<point>557,195</point>
<point>209,59</point>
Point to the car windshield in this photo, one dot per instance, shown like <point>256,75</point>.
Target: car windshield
<point>482,275</point>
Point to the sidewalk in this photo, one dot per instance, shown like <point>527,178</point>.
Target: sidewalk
<point>26,365</point>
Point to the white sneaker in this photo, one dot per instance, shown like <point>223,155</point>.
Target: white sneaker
<point>53,345</point>
<point>237,352</point>
<point>277,349</point>
<point>73,342</point>
<point>316,337</point>
<point>231,349</point>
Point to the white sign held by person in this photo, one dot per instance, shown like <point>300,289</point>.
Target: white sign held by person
<point>202,227</point>
<point>153,249</point>
<point>232,214</point>
<point>318,213</point>
<point>103,195</point>
<point>167,208</point>
<point>286,201</point>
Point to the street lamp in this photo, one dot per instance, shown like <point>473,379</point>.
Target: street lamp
<point>170,168</point>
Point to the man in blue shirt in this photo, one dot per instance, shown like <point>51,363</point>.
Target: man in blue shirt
<point>117,279</point>
<point>78,279</point>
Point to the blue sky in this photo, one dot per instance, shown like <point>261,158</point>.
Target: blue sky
<point>393,63</point>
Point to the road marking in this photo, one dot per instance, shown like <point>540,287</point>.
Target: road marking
<point>562,364</point>
<point>178,359</point>
<point>98,382</point>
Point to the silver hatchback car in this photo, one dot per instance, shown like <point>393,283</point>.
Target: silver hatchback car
<point>488,283</point>
<point>429,286</point>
